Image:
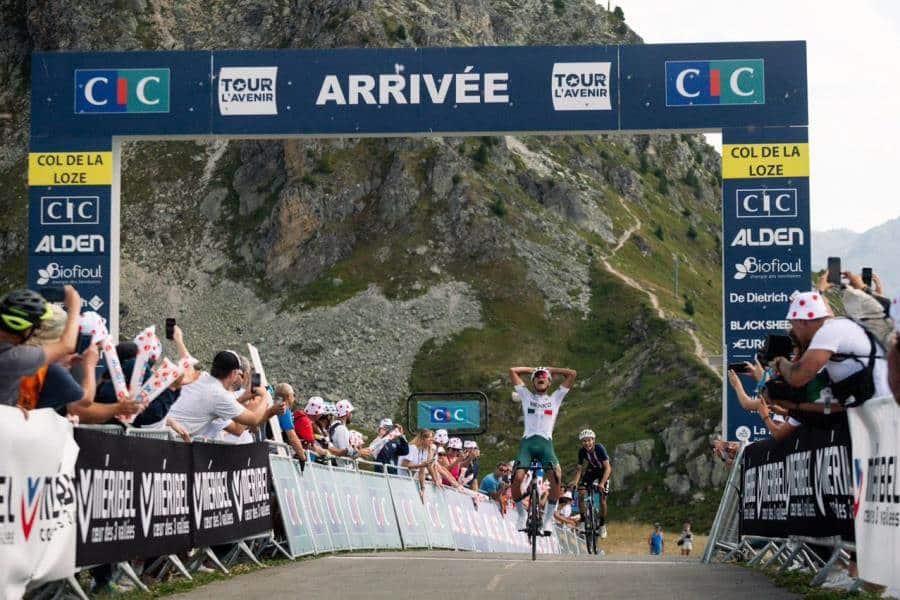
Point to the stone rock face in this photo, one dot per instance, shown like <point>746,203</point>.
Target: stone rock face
<point>245,241</point>
<point>630,458</point>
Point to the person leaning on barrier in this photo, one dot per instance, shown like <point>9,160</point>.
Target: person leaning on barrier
<point>22,312</point>
<point>851,356</point>
<point>422,458</point>
<point>284,394</point>
<point>212,397</point>
<point>340,433</point>
<point>469,474</point>
<point>495,484</point>
<point>390,445</point>
<point>54,385</point>
<point>305,425</point>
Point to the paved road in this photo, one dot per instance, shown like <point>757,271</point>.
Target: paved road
<point>392,576</point>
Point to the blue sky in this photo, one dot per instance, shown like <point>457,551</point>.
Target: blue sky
<point>853,58</point>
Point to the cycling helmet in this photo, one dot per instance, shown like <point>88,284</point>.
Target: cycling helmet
<point>534,373</point>
<point>21,310</point>
<point>586,433</point>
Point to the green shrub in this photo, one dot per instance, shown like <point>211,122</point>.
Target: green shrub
<point>689,306</point>
<point>692,232</point>
<point>658,232</point>
<point>481,156</point>
<point>619,13</point>
<point>559,6</point>
<point>498,207</point>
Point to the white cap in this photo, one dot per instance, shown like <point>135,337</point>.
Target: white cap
<point>343,408</point>
<point>441,450</point>
<point>807,306</point>
<point>330,409</point>
<point>470,444</point>
<point>895,313</point>
<point>567,494</point>
<point>440,436</point>
<point>386,423</point>
<point>455,443</point>
<point>315,406</point>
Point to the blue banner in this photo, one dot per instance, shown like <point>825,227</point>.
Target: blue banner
<point>766,238</point>
<point>431,91</point>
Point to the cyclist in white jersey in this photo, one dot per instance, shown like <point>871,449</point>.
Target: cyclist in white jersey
<point>540,410</point>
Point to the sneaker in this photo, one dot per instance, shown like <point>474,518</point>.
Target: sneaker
<point>603,532</point>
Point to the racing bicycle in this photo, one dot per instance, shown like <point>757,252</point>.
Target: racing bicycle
<point>534,524</point>
<point>591,519</point>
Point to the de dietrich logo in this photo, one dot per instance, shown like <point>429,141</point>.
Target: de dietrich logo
<point>715,82</point>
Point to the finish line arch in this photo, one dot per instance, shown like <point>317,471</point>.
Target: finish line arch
<point>83,105</point>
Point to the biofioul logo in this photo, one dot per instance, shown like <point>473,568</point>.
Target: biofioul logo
<point>772,268</point>
<point>73,274</point>
<point>581,86</point>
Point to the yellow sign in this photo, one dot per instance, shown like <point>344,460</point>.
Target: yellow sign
<point>70,168</point>
<point>753,161</point>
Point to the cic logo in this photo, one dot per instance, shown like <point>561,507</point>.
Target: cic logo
<point>121,91</point>
<point>715,82</point>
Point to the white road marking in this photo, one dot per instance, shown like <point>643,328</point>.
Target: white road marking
<point>524,560</point>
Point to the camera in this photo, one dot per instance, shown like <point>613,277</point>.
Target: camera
<point>776,345</point>
<point>255,381</point>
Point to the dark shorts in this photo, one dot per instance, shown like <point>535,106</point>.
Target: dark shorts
<point>592,476</point>
<point>539,449</point>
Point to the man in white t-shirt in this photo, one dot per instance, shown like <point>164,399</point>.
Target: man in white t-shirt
<point>839,345</point>
<point>207,404</point>
<point>540,410</point>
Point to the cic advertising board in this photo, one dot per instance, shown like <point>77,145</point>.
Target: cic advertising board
<point>766,235</point>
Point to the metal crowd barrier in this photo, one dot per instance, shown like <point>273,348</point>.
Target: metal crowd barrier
<point>791,553</point>
<point>346,505</point>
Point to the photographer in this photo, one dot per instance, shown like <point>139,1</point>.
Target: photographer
<point>389,446</point>
<point>495,484</point>
<point>850,355</point>
<point>862,303</point>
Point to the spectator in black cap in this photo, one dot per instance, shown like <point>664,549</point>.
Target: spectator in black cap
<point>213,397</point>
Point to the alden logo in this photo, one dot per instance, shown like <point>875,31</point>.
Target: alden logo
<point>715,82</point>
<point>581,86</point>
<point>121,91</point>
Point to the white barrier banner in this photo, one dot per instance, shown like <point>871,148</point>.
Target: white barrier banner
<point>875,434</point>
<point>37,499</point>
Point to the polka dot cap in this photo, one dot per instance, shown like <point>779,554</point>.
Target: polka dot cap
<point>807,306</point>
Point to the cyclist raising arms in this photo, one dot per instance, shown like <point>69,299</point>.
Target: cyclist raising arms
<point>598,469</point>
<point>540,410</point>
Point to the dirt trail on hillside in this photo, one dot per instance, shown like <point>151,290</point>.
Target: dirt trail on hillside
<point>699,352</point>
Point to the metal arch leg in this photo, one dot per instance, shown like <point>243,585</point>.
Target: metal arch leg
<point>790,559</point>
<point>762,553</point>
<point>207,551</point>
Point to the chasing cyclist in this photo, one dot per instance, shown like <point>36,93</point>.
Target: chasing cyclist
<point>540,410</point>
<point>598,469</point>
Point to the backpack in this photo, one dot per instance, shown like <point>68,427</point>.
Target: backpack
<point>30,388</point>
<point>861,385</point>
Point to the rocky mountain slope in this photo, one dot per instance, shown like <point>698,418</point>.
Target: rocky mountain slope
<point>370,268</point>
<point>878,247</point>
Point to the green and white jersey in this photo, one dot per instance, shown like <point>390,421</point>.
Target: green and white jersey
<point>540,411</point>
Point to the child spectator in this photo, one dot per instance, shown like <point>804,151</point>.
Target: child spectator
<point>656,542</point>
